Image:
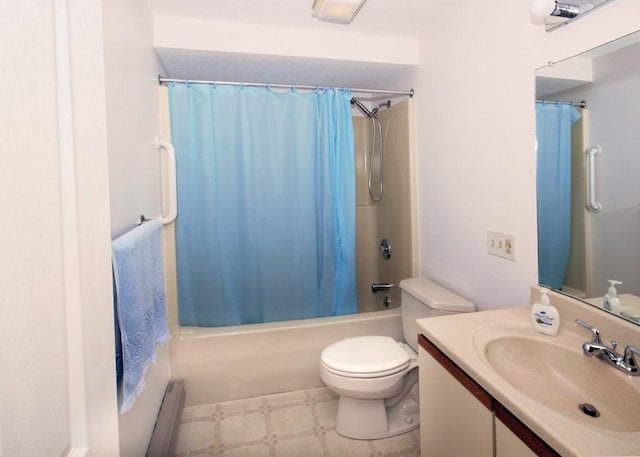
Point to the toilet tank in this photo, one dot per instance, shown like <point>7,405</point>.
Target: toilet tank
<point>421,297</point>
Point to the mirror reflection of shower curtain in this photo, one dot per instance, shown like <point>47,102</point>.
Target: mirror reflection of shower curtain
<point>553,131</point>
<point>266,197</point>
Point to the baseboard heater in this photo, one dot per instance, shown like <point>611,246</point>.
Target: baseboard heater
<point>165,432</point>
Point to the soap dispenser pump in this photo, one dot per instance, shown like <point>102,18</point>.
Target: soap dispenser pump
<point>544,316</point>
<point>611,300</point>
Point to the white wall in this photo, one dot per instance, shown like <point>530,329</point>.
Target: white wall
<point>131,71</point>
<point>476,158</point>
<point>57,391</point>
<point>31,244</point>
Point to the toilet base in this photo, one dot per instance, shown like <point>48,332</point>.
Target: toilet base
<point>372,420</point>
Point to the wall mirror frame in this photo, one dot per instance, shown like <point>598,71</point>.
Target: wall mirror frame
<point>605,238</point>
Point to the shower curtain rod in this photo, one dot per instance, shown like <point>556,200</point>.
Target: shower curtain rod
<point>162,80</point>
<point>580,104</point>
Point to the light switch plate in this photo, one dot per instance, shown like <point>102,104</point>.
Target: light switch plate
<point>501,244</point>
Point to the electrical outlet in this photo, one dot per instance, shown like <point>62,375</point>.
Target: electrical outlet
<point>501,244</point>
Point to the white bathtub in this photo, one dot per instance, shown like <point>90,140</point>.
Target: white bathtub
<point>228,363</point>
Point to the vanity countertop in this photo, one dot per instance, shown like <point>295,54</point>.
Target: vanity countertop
<point>458,336</point>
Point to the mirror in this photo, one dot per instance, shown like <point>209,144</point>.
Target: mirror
<point>602,155</point>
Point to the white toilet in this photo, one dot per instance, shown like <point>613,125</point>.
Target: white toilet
<point>376,376</point>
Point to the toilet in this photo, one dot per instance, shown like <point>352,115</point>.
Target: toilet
<point>376,377</point>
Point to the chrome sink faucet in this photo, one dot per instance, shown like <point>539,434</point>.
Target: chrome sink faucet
<point>624,362</point>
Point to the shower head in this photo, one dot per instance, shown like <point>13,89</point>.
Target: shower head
<point>386,104</point>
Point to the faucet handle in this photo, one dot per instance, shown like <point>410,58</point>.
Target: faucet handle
<point>594,331</point>
<point>629,358</point>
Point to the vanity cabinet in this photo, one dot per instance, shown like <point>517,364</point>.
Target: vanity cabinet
<point>508,444</point>
<point>453,420</point>
<point>458,417</point>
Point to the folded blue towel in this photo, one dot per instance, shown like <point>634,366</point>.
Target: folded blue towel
<point>140,304</point>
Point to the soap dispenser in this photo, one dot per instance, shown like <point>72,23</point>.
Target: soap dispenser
<point>544,316</point>
<point>611,300</point>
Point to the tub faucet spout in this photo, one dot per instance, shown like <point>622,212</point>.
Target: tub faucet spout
<point>383,286</point>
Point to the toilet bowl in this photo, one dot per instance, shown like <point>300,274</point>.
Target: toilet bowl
<point>370,373</point>
<point>376,377</point>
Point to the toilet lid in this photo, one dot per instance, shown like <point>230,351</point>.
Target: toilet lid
<point>364,356</point>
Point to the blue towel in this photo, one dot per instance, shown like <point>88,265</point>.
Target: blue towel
<point>140,304</point>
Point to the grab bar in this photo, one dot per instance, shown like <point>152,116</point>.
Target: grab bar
<point>592,152</point>
<point>172,191</point>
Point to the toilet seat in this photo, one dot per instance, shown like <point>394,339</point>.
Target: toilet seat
<point>365,357</point>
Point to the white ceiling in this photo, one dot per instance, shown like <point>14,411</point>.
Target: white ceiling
<point>387,18</point>
<point>402,18</point>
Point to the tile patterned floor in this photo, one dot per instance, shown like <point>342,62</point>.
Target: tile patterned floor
<point>292,424</point>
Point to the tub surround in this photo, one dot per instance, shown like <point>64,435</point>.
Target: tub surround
<point>458,336</point>
<point>391,217</point>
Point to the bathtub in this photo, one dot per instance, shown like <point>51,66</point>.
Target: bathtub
<point>229,363</point>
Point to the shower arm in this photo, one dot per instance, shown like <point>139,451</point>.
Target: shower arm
<point>361,107</point>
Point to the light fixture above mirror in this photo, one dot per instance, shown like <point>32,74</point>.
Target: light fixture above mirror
<point>556,13</point>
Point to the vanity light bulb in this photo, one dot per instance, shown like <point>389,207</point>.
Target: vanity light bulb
<point>541,9</point>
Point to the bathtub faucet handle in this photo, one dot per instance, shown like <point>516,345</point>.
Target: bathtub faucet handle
<point>377,287</point>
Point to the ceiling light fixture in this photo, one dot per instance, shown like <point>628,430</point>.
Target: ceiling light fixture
<point>541,9</point>
<point>342,11</point>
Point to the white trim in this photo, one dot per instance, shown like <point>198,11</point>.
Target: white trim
<point>69,220</point>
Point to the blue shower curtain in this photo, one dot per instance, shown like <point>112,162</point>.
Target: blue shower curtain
<point>553,127</point>
<point>266,200</point>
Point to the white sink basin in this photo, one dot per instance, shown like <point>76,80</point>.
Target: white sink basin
<point>562,378</point>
